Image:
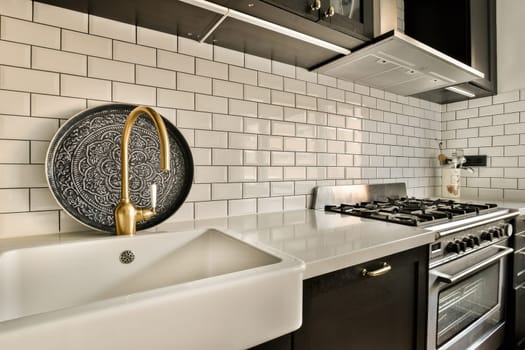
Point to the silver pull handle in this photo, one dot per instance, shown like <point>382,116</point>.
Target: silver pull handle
<point>153,196</point>
<point>330,12</point>
<point>378,272</point>
<point>316,5</point>
<point>447,278</point>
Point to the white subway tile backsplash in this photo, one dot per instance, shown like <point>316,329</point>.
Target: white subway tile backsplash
<point>29,33</point>
<point>15,103</point>
<point>227,156</point>
<point>258,63</point>
<point>74,86</point>
<point>155,77</point>
<point>175,61</point>
<point>316,90</point>
<point>42,199</point>
<point>283,69</point>
<point>271,143</point>
<point>242,207</point>
<point>211,69</point>
<point>193,83</point>
<point>14,200</point>
<point>256,126</point>
<point>242,75</point>
<point>207,103</point>
<point>268,205</point>
<point>22,176</point>
<point>306,102</point>
<point>58,61</point>
<point>227,89</point>
<point>28,223</point>
<point>24,128</point>
<point>194,48</point>
<point>201,156</point>
<point>14,54</point>
<point>153,38</point>
<point>270,81</point>
<point>256,157</point>
<point>111,29</point>
<point>214,209</point>
<point>242,108</point>
<point>27,80</point>
<point>256,189</point>
<point>194,120</point>
<point>135,94</point>
<point>86,44</point>
<point>132,53</point>
<point>227,123</point>
<point>224,55</point>
<point>242,174</point>
<point>39,152</point>
<point>210,174</point>
<point>226,191</point>
<point>211,139</point>
<point>175,99</point>
<point>14,151</point>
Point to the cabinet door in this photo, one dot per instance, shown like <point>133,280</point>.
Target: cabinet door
<point>349,16</point>
<point>303,8</point>
<point>343,310</point>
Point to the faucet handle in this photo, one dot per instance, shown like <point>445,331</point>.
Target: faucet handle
<point>153,195</point>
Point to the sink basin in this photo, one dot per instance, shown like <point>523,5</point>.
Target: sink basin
<point>203,289</point>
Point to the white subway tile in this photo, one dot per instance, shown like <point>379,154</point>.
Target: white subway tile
<point>210,174</point>
<point>58,61</point>
<point>226,191</point>
<point>86,44</point>
<point>184,213</point>
<point>256,126</point>
<point>316,173</point>
<point>326,80</point>
<point>296,86</point>
<point>514,107</point>
<point>345,85</point>
<point>316,145</point>
<point>215,209</point>
<point>283,98</point>
<point>227,123</point>
<point>201,156</point>
<point>193,83</point>
<point>479,102</point>
<point>242,174</point>
<point>257,94</point>
<point>294,115</point>
<point>316,90</point>
<point>305,130</point>
<point>283,128</point>
<point>282,188</point>
<point>60,17</point>
<point>212,139</point>
<point>270,81</point>
<point>243,141</point>
<point>515,172</point>
<point>28,224</point>
<point>135,94</point>
<point>111,29</point>
<point>270,143</point>
<point>17,176</point>
<point>227,156</point>
<point>42,199</point>
<point>326,132</point>
<point>132,53</point>
<point>14,152</point>
<point>199,192</point>
<point>306,102</point>
<point>335,94</point>
<point>22,79</point>
<point>256,157</point>
<point>504,183</point>
<point>15,54</point>
<point>224,55</point>
<point>303,74</point>
<point>258,63</point>
<point>326,106</point>
<point>227,89</point>
<point>175,61</point>
<point>257,189</point>
<point>326,159</point>
<point>211,69</point>
<point>195,120</point>
<point>85,87</point>
<point>304,187</point>
<point>242,207</point>
<point>294,202</point>
<point>24,128</point>
<point>267,205</point>
<point>514,150</point>
<point>156,77</point>
<point>283,69</point>
<point>270,173</point>
<point>294,144</point>
<point>244,108</point>
<point>175,99</point>
<point>270,111</point>
<point>29,33</point>
<point>14,103</point>
<point>39,152</point>
<point>305,159</point>
<point>156,39</point>
<point>294,173</point>
<point>194,48</point>
<point>242,75</point>
<point>207,103</point>
<point>282,158</point>
<point>14,200</point>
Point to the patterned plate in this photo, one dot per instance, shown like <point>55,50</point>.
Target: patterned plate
<point>83,167</point>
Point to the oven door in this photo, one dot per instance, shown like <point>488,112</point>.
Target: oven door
<point>466,300</point>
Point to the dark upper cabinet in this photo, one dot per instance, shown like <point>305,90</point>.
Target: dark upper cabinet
<point>352,17</point>
<point>462,29</point>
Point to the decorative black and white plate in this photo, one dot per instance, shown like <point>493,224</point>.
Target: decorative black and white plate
<point>83,167</point>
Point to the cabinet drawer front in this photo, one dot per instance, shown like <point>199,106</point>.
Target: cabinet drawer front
<point>519,266</point>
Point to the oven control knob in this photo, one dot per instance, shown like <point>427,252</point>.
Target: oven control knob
<point>475,239</point>
<point>452,247</point>
<point>485,236</point>
<point>507,229</point>
<point>469,242</point>
<point>495,232</point>
<point>462,245</point>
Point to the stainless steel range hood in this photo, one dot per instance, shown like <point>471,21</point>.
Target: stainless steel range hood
<point>397,63</point>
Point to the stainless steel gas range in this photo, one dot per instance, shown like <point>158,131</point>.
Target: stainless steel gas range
<point>468,261</point>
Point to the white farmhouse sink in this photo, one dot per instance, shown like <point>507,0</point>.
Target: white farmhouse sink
<point>183,290</point>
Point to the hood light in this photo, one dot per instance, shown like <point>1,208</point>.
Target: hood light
<point>460,91</point>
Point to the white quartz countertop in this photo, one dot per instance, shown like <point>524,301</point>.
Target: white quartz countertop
<point>324,241</point>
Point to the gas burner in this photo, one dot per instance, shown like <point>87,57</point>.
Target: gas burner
<point>413,211</point>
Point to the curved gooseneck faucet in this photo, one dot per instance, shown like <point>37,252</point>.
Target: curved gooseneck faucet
<point>126,213</point>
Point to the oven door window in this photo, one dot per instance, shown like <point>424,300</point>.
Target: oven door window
<point>464,302</point>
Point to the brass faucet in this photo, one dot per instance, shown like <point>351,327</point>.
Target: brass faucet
<point>126,213</point>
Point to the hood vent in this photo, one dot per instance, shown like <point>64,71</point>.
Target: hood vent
<point>399,64</point>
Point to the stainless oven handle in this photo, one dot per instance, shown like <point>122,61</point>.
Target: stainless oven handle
<point>446,278</point>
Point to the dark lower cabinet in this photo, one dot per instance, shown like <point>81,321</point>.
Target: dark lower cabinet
<point>346,310</point>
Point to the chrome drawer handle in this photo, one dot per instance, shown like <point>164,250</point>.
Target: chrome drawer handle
<point>378,272</point>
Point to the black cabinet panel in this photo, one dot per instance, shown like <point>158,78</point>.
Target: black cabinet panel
<point>344,310</point>
<point>303,8</point>
<point>281,343</point>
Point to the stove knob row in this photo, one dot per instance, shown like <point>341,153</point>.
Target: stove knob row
<point>453,247</point>
<point>485,236</point>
